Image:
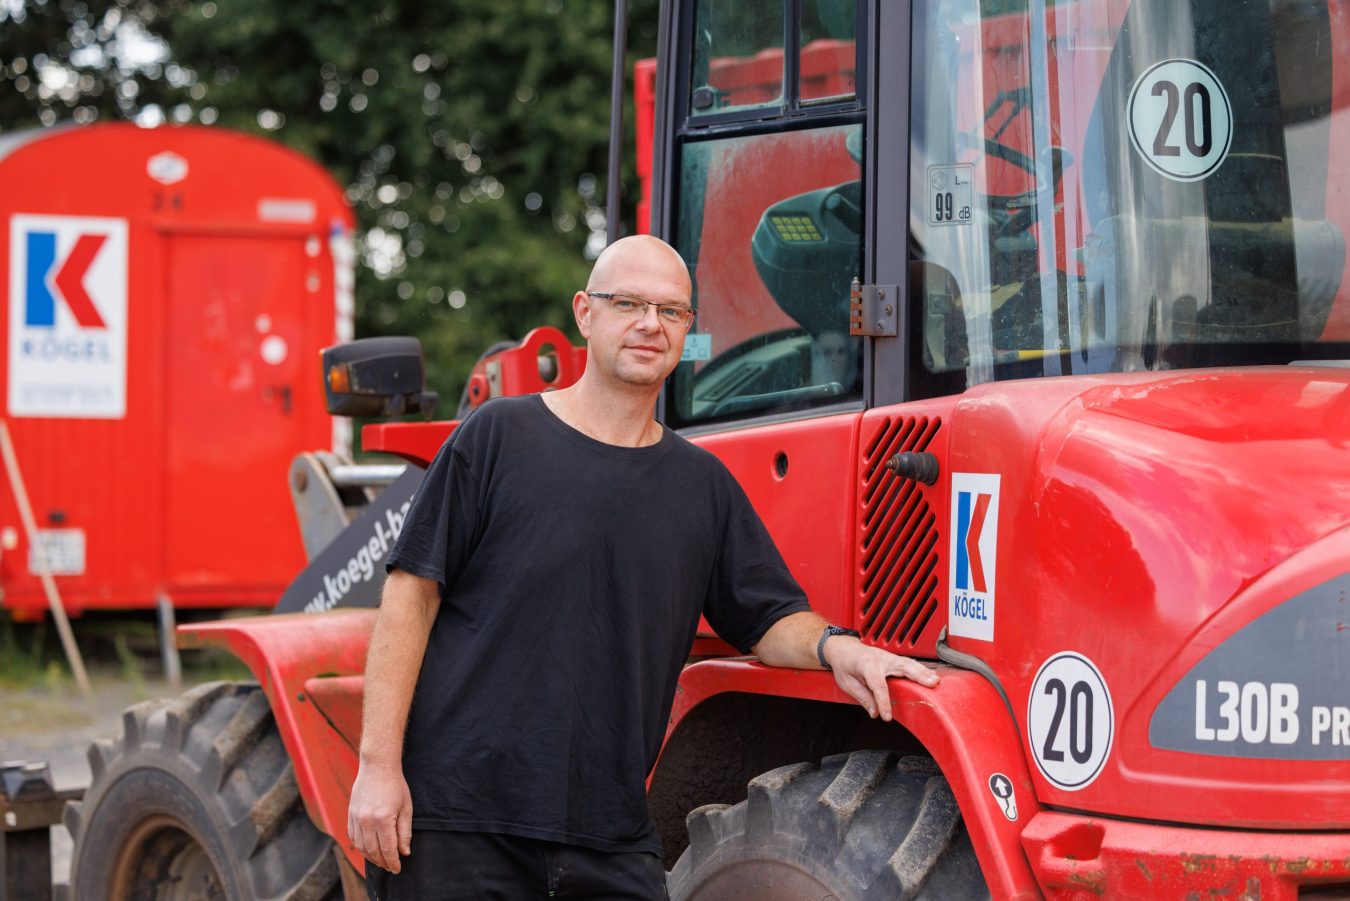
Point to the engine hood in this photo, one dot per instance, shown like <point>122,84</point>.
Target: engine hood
<point>1141,523</point>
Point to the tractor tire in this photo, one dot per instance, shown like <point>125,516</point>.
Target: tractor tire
<point>197,801</point>
<point>858,827</point>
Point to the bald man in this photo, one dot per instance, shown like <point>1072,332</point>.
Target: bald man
<point>541,601</point>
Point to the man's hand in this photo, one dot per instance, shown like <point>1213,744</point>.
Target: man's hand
<point>379,819</point>
<point>861,672</point>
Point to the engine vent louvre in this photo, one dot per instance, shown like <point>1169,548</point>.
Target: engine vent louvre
<point>898,560</point>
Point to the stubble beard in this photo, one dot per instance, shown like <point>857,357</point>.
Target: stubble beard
<point>638,375</point>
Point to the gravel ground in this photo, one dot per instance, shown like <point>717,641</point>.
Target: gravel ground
<point>54,723</point>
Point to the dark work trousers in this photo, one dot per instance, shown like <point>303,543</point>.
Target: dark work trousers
<point>483,866</point>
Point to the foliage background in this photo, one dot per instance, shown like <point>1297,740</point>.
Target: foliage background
<point>471,135</point>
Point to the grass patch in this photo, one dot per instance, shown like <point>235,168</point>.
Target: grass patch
<point>130,664</point>
<point>121,647</point>
<point>25,658</point>
<point>213,665</point>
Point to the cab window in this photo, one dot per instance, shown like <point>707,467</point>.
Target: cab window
<point>828,51</point>
<point>1109,186</point>
<point>769,216</point>
<point>738,56</point>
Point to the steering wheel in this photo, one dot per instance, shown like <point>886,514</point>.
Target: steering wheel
<point>1013,214</point>
<point>748,376</point>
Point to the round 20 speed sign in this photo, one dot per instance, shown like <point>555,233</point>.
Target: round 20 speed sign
<point>1070,720</point>
<point>1181,121</point>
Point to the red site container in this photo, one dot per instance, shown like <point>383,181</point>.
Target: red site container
<point>168,293</point>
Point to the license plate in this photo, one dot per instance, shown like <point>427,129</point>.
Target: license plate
<point>63,550</point>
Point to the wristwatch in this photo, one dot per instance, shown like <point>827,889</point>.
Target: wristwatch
<point>831,630</point>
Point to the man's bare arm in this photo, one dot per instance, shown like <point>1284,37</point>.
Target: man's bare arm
<point>379,819</point>
<point>860,670</point>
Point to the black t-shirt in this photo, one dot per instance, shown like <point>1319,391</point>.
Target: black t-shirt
<point>572,574</point>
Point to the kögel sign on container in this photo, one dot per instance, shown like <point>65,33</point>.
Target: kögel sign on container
<point>167,294</point>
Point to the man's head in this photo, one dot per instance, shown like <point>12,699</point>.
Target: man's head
<point>631,344</point>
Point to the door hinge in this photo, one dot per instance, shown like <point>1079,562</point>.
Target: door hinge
<point>872,310</point>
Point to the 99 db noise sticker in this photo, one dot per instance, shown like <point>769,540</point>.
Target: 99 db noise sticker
<point>1070,720</point>
<point>950,197</point>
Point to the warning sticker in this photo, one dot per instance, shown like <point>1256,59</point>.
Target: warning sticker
<point>1002,789</point>
<point>949,194</point>
<point>974,555</point>
<point>697,347</point>
<point>1181,121</point>
<point>1070,720</point>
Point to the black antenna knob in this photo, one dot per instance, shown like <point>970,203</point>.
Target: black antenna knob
<point>920,466</point>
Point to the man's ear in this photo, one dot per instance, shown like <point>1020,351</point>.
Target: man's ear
<point>581,309</point>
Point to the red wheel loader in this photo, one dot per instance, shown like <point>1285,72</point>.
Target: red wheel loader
<point>1026,327</point>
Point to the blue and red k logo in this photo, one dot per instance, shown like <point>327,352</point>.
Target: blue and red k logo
<point>68,279</point>
<point>67,316</point>
<point>973,556</point>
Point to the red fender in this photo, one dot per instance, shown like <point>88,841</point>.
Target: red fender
<point>309,666</point>
<point>963,724</point>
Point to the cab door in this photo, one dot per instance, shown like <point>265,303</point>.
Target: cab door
<point>763,131</point>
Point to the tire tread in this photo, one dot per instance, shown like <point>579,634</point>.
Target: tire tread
<point>243,731</point>
<point>215,731</point>
<point>930,836</point>
<point>856,782</point>
<point>869,826</point>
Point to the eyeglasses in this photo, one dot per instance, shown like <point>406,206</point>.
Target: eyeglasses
<point>636,307</point>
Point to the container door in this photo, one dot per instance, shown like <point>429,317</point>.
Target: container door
<point>237,311</point>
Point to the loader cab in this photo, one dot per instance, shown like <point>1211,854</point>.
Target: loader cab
<point>768,133</point>
<point>1036,188</point>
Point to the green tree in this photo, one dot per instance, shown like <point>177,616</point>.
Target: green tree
<point>83,60</point>
<point>471,135</point>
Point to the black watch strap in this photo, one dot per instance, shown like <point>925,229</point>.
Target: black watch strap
<point>831,630</point>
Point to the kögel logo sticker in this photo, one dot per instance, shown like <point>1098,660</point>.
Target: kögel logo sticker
<point>1070,721</point>
<point>67,317</point>
<point>1002,788</point>
<point>974,555</point>
<point>1181,121</point>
